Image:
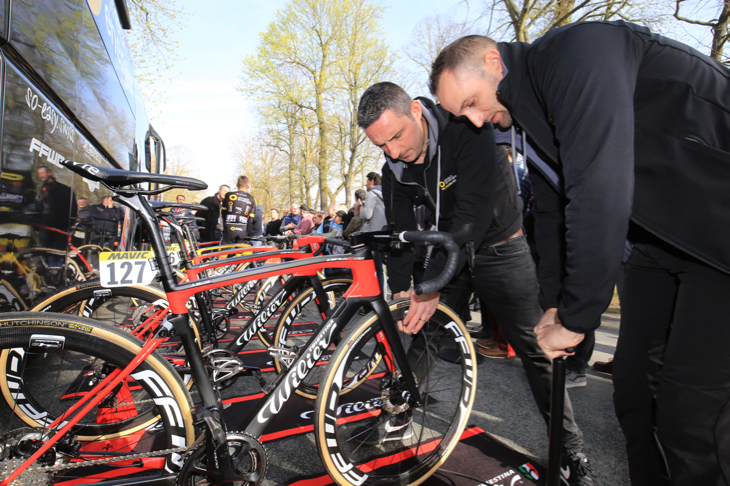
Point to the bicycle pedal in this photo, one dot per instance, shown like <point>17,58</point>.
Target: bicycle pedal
<point>284,354</point>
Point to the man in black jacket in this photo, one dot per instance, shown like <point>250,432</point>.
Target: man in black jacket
<point>453,168</point>
<point>213,222</point>
<point>238,212</point>
<point>624,125</point>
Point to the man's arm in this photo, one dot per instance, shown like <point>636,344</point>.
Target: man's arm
<point>587,84</point>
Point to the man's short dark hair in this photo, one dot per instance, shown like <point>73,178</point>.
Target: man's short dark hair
<point>466,53</point>
<point>380,97</point>
<point>243,182</point>
<point>375,177</point>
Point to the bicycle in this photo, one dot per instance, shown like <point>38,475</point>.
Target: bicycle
<point>437,396</point>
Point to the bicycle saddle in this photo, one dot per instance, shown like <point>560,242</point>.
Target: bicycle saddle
<point>117,178</point>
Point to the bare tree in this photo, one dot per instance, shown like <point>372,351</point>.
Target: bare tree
<point>718,26</point>
<point>180,162</point>
<point>431,35</point>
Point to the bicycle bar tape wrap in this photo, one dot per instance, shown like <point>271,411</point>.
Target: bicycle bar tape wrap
<point>447,240</point>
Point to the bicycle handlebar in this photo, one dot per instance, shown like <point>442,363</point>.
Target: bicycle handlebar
<point>452,259</point>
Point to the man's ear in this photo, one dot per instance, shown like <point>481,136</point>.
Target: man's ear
<point>493,62</point>
<point>416,109</point>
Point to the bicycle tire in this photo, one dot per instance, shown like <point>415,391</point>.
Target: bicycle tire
<point>299,321</point>
<point>124,307</point>
<point>48,378</point>
<point>447,394</point>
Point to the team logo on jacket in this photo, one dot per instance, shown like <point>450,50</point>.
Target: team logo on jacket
<point>446,183</point>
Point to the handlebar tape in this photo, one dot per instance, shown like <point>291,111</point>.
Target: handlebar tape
<point>452,259</point>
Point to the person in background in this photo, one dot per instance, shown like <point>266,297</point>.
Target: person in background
<point>213,227</point>
<point>83,227</point>
<point>373,217</point>
<point>238,212</point>
<point>306,222</point>
<point>317,221</point>
<point>107,221</point>
<point>54,203</point>
<point>355,223</point>
<point>293,219</point>
<point>273,227</point>
<point>258,225</point>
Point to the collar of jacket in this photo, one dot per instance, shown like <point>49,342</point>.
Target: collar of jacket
<point>436,118</point>
<point>516,92</point>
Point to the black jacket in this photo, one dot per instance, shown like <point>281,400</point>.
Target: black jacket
<point>211,217</point>
<point>473,189</point>
<point>630,125</point>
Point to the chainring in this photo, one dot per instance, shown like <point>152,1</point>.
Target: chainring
<point>249,459</point>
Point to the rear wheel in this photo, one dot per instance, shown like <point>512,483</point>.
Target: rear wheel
<point>51,361</point>
<point>377,434</point>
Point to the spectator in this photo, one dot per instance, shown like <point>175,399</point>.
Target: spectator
<point>373,217</point>
<point>355,224</point>
<point>291,221</point>
<point>107,221</point>
<point>317,221</point>
<point>306,222</point>
<point>213,230</point>
<point>273,227</point>
<point>83,227</point>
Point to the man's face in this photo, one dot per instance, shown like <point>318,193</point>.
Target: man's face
<point>369,184</point>
<point>399,137</point>
<point>274,214</point>
<point>181,199</point>
<point>42,174</point>
<point>82,203</point>
<point>473,96</point>
<point>331,210</point>
<point>294,209</point>
<point>222,193</point>
<point>107,202</point>
<point>318,219</point>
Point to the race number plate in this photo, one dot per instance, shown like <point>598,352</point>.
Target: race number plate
<point>124,268</point>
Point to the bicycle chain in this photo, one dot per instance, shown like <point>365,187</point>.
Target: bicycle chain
<point>96,462</point>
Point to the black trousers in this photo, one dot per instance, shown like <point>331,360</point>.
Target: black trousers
<point>671,370</point>
<point>505,278</point>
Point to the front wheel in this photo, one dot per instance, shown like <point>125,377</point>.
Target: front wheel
<point>377,433</point>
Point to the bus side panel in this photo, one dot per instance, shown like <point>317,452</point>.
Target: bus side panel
<point>38,196</point>
<point>61,41</point>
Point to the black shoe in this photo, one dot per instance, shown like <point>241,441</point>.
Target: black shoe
<point>384,428</point>
<point>575,470</point>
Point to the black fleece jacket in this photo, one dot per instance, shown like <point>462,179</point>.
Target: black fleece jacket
<point>474,188</point>
<point>630,125</point>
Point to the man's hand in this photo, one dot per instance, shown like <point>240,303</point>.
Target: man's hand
<point>421,309</point>
<point>552,337</point>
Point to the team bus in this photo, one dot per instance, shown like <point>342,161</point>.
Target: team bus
<point>68,92</point>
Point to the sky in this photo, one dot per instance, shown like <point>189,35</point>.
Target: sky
<point>204,112</point>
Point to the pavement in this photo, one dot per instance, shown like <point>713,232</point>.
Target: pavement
<point>504,407</point>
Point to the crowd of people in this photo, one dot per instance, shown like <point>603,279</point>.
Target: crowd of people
<point>234,215</point>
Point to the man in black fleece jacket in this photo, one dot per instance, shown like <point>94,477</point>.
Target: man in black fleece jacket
<point>621,125</point>
<point>453,168</point>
